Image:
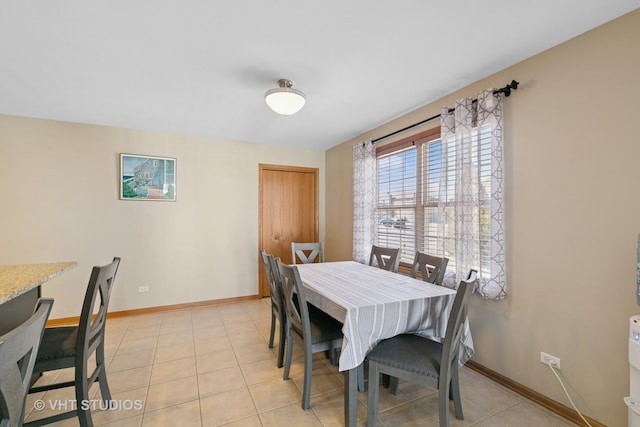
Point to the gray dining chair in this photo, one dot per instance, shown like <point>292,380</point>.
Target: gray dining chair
<point>72,346</point>
<point>385,258</point>
<point>305,253</point>
<point>18,349</point>
<point>318,333</point>
<point>277,305</point>
<point>424,361</point>
<point>431,268</point>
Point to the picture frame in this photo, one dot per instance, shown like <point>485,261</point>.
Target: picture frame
<point>149,178</point>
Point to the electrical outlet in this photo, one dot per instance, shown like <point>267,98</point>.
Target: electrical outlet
<point>143,289</point>
<point>548,359</point>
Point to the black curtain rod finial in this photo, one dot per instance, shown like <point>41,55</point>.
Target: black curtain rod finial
<point>507,89</point>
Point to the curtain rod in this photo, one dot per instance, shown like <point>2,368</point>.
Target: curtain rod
<point>505,90</point>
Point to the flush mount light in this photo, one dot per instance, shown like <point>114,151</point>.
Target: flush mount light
<point>284,99</point>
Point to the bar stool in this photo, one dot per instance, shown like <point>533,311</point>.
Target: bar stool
<point>18,349</point>
<point>72,346</point>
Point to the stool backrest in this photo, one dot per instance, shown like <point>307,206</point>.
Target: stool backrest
<point>92,325</point>
<point>18,350</point>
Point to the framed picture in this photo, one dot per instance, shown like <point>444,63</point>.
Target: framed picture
<point>147,178</point>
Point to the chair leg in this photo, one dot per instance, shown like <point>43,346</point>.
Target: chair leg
<point>281,344</point>
<point>455,395</point>
<point>104,386</point>
<point>393,385</point>
<point>82,397</point>
<point>443,404</point>
<point>334,356</point>
<point>372,398</point>
<point>102,377</point>
<point>273,329</point>
<point>385,380</point>
<point>306,393</point>
<point>287,361</point>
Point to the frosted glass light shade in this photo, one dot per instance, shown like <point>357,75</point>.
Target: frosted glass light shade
<point>284,99</point>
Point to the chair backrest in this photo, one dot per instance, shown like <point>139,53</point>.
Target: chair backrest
<point>18,350</point>
<point>92,325</point>
<point>295,301</point>
<point>275,293</point>
<point>307,252</point>
<point>431,268</point>
<point>455,325</point>
<point>385,258</point>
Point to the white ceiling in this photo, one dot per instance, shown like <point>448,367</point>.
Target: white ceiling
<point>201,67</point>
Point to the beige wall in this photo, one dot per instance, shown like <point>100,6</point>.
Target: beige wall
<point>60,202</point>
<point>573,217</point>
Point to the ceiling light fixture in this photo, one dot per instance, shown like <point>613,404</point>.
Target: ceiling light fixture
<point>284,99</point>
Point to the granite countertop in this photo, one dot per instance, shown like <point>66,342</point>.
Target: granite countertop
<point>18,279</point>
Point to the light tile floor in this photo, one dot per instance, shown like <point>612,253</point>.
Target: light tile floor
<point>211,366</point>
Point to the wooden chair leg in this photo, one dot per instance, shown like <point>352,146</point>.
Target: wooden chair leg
<point>334,357</point>
<point>82,397</point>
<point>273,329</point>
<point>281,344</point>
<point>308,368</point>
<point>306,393</point>
<point>393,385</point>
<point>287,361</point>
<point>455,395</point>
<point>104,387</point>
<point>443,405</point>
<point>385,380</point>
<point>102,377</point>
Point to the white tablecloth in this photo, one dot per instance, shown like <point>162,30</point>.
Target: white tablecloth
<point>375,304</point>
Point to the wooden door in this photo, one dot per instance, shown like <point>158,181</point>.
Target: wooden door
<point>288,212</point>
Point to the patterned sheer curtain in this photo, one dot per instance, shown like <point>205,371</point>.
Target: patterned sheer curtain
<point>364,199</point>
<point>471,206</point>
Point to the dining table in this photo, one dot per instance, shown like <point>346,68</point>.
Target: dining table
<point>20,289</point>
<point>375,304</point>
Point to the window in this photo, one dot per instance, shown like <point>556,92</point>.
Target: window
<point>403,190</point>
<point>416,202</point>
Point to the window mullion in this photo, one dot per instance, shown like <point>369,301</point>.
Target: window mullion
<point>421,175</point>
